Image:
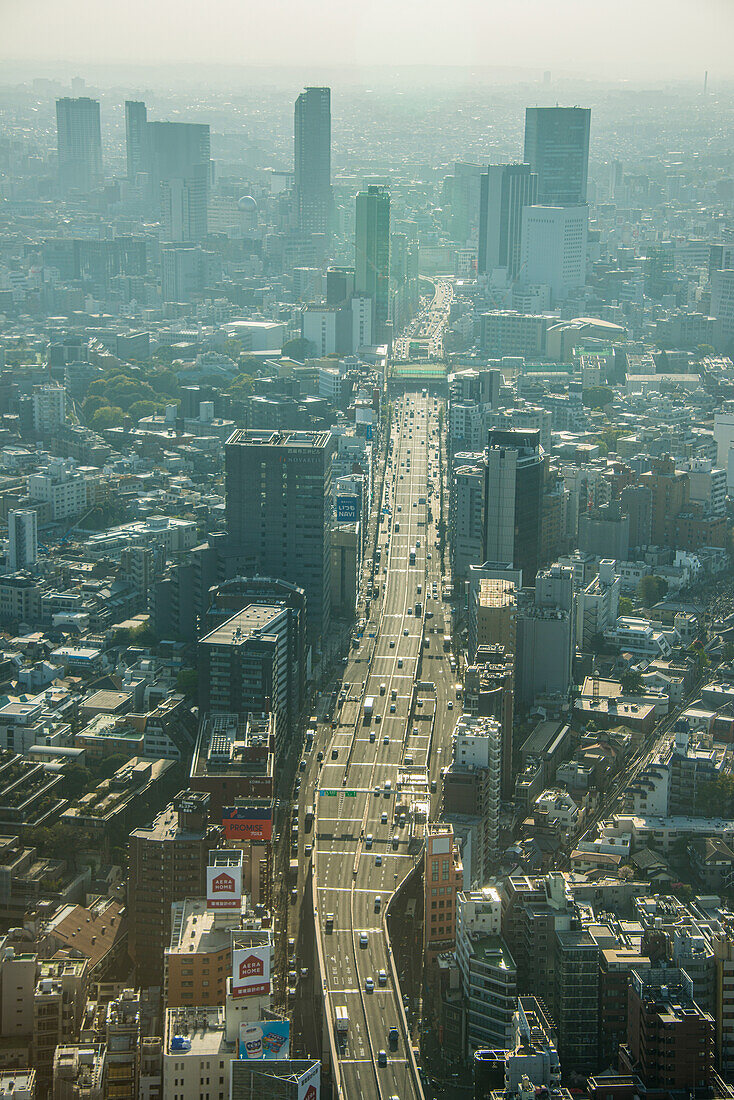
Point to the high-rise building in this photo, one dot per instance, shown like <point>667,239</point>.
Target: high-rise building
<point>372,254</point>
<point>557,150</point>
<point>179,156</point>
<point>166,862</point>
<point>465,200</point>
<point>312,138</point>
<point>505,191</point>
<point>513,500</point>
<point>22,539</point>
<point>79,137</point>
<point>443,878</point>
<point>553,250</point>
<point>577,999</point>
<point>278,486</point>
<point>136,136</point>
<point>487,970</point>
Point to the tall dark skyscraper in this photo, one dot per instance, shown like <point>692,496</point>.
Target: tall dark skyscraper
<point>278,487</point>
<point>180,168</point>
<point>513,500</point>
<point>79,137</point>
<point>557,150</point>
<point>505,189</point>
<point>312,135</point>
<point>136,126</point>
<point>372,254</point>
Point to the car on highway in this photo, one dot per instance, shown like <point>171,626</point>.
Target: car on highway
<point>400,662</point>
<point>302,765</point>
<point>378,903</point>
<point>294,895</point>
<point>382,977</point>
<point>334,754</point>
<point>369,985</point>
<point>292,977</point>
<point>392,1038</point>
<point>392,708</point>
<point>378,860</point>
<point>382,1058</point>
<point>383,817</point>
<point>320,756</point>
<point>386,740</point>
<point>304,971</point>
<point>362,939</point>
<point>450,704</point>
<point>405,631</point>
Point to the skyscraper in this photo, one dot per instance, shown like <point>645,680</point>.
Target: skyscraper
<point>372,254</point>
<point>79,137</point>
<point>557,150</point>
<point>312,137</point>
<point>505,190</point>
<point>278,487</point>
<point>180,168</point>
<point>22,539</point>
<point>136,136</point>
<point>513,500</point>
<point>553,251</point>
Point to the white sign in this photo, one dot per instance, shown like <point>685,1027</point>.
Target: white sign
<point>251,971</point>
<point>223,887</point>
<point>309,1086</point>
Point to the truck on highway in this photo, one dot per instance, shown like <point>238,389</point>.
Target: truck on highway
<point>293,871</point>
<point>341,1019</point>
<point>418,608</point>
<point>369,707</point>
<point>308,820</point>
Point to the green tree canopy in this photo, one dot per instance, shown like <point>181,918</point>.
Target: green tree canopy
<point>299,348</point>
<point>651,589</point>
<point>596,397</point>
<point>108,416</point>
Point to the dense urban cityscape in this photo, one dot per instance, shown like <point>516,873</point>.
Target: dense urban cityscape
<point>366,587</point>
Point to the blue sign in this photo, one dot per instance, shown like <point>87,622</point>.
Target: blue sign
<point>347,509</point>
<point>267,1039</point>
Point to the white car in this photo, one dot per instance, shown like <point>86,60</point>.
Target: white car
<point>369,985</point>
<point>362,939</point>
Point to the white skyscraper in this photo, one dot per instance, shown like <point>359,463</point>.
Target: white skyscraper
<point>22,539</point>
<point>554,247</point>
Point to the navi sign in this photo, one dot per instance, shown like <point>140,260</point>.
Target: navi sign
<point>347,509</point>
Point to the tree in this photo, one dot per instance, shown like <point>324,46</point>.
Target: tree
<point>187,681</point>
<point>651,589</point>
<point>626,607</point>
<point>596,397</point>
<point>90,405</point>
<point>139,409</point>
<point>631,681</point>
<point>109,416</point>
<point>241,386</point>
<point>77,781</point>
<point>299,349</point>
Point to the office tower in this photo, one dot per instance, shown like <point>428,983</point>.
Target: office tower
<point>136,136</point>
<point>79,143</point>
<point>166,862</point>
<point>506,189</point>
<point>372,254</point>
<point>472,785</point>
<point>339,285</point>
<point>312,138</point>
<point>487,970</point>
<point>513,500</point>
<point>553,249</point>
<point>22,539</point>
<point>184,271</point>
<point>278,487</point>
<point>243,667</point>
<point>180,168</point>
<point>722,308</point>
<point>443,870</point>
<point>465,201</point>
<point>557,150</point>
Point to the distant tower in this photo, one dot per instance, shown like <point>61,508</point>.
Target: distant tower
<point>136,122</point>
<point>505,190</point>
<point>372,254</point>
<point>312,158</point>
<point>705,81</point>
<point>557,150</point>
<point>79,137</point>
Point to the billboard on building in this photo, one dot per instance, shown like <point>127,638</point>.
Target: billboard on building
<point>251,971</point>
<point>223,887</point>
<point>347,509</point>
<point>247,822</point>
<point>309,1085</point>
<point>267,1039</point>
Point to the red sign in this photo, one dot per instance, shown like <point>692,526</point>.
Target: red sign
<point>250,967</point>
<point>311,1094</point>
<point>247,823</point>
<point>223,883</point>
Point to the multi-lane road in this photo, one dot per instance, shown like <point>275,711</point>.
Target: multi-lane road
<point>427,327</point>
<point>380,767</point>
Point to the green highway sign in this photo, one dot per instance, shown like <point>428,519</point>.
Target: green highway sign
<point>350,794</point>
<point>331,793</point>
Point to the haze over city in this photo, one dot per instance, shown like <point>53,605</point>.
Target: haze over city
<point>366,550</point>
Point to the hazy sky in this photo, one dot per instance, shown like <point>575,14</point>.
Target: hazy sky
<point>625,38</point>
